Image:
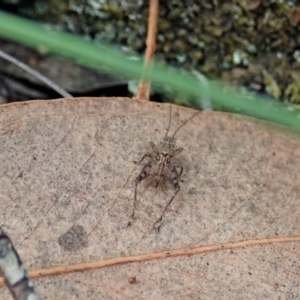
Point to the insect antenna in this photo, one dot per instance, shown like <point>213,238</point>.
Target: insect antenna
<point>185,123</point>
<point>168,128</point>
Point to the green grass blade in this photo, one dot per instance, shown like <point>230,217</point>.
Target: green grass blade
<point>163,78</point>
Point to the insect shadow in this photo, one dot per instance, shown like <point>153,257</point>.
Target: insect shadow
<point>161,169</point>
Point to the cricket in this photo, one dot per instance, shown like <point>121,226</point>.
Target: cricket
<point>161,169</point>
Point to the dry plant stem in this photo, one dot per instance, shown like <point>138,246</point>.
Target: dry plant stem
<point>15,274</point>
<point>59,270</point>
<point>143,91</point>
<point>35,74</point>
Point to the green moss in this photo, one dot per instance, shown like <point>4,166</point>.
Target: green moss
<point>212,39</point>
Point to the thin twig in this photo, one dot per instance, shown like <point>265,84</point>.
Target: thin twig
<point>143,90</point>
<point>64,269</point>
<point>35,74</point>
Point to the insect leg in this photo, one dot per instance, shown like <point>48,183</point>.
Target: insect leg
<point>144,173</point>
<point>181,170</point>
<point>174,178</point>
<point>177,151</point>
<point>154,148</point>
<point>16,277</point>
<point>146,155</point>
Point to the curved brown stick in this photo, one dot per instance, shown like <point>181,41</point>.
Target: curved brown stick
<point>59,270</point>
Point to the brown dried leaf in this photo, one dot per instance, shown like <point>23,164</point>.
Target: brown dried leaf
<point>67,177</point>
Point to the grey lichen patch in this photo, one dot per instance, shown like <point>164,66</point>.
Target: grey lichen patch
<point>75,237</point>
<point>3,249</point>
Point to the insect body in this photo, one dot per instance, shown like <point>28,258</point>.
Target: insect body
<point>161,169</point>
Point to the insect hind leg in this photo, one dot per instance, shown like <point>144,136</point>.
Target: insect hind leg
<point>143,174</point>
<point>174,178</point>
<point>179,174</point>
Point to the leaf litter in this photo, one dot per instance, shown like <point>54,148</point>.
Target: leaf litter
<point>241,184</point>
